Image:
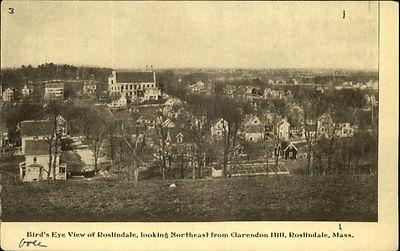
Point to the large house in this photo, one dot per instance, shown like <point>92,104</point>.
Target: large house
<point>253,129</point>
<point>139,86</point>
<point>325,125</point>
<point>54,91</point>
<point>8,95</point>
<point>41,129</point>
<point>26,91</point>
<point>283,130</point>
<point>36,165</point>
<point>90,87</point>
<point>219,128</point>
<point>254,133</point>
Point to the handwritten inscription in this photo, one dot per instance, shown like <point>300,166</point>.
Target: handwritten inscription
<point>27,243</point>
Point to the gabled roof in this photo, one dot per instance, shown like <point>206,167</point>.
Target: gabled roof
<point>135,77</point>
<point>36,147</point>
<point>291,144</point>
<point>30,128</point>
<point>283,121</point>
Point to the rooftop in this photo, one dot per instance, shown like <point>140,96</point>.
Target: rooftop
<point>31,128</point>
<point>135,77</point>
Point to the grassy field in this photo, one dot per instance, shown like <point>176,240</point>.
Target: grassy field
<point>288,198</point>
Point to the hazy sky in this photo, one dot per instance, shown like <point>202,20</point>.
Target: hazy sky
<point>191,34</point>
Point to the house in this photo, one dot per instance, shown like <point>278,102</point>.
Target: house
<point>122,102</point>
<point>344,130</point>
<point>290,152</point>
<point>41,129</point>
<point>54,91</point>
<point>219,128</point>
<point>26,91</point>
<point>254,132</point>
<point>283,130</point>
<point>252,120</point>
<point>172,102</point>
<point>310,131</point>
<point>249,90</point>
<point>151,93</point>
<point>36,164</point>
<point>8,95</point>
<point>199,86</point>
<point>168,123</point>
<point>325,125</point>
<point>139,86</point>
<point>148,120</point>
<point>90,87</point>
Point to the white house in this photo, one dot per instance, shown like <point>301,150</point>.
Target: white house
<point>90,88</point>
<point>36,164</point>
<point>172,102</point>
<point>283,130</point>
<point>254,132</point>
<point>200,86</point>
<point>26,91</point>
<point>54,91</point>
<point>119,103</point>
<point>219,128</point>
<point>343,130</point>
<point>8,95</point>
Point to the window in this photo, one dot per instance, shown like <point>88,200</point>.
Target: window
<point>290,154</point>
<point>62,169</point>
<point>34,160</point>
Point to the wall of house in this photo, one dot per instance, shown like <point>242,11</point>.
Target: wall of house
<point>24,139</point>
<point>34,173</point>
<point>254,136</point>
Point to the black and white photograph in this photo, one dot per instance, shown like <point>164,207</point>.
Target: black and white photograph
<point>197,121</point>
<point>189,111</point>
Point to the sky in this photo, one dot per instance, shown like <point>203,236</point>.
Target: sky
<point>191,34</point>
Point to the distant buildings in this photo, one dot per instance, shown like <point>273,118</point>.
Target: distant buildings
<point>198,87</point>
<point>8,95</point>
<point>26,91</point>
<point>219,128</point>
<point>138,86</point>
<point>283,130</point>
<point>90,88</point>
<point>54,91</point>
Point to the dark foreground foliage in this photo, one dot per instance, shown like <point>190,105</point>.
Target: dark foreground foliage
<point>261,198</point>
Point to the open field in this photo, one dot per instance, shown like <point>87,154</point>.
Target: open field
<point>261,198</point>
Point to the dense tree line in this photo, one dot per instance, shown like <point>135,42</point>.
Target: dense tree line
<point>14,77</point>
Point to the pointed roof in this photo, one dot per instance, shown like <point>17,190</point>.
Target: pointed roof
<point>290,145</point>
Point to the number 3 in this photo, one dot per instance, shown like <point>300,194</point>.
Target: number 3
<point>11,10</point>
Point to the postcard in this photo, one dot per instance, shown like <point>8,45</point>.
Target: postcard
<point>152,125</point>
